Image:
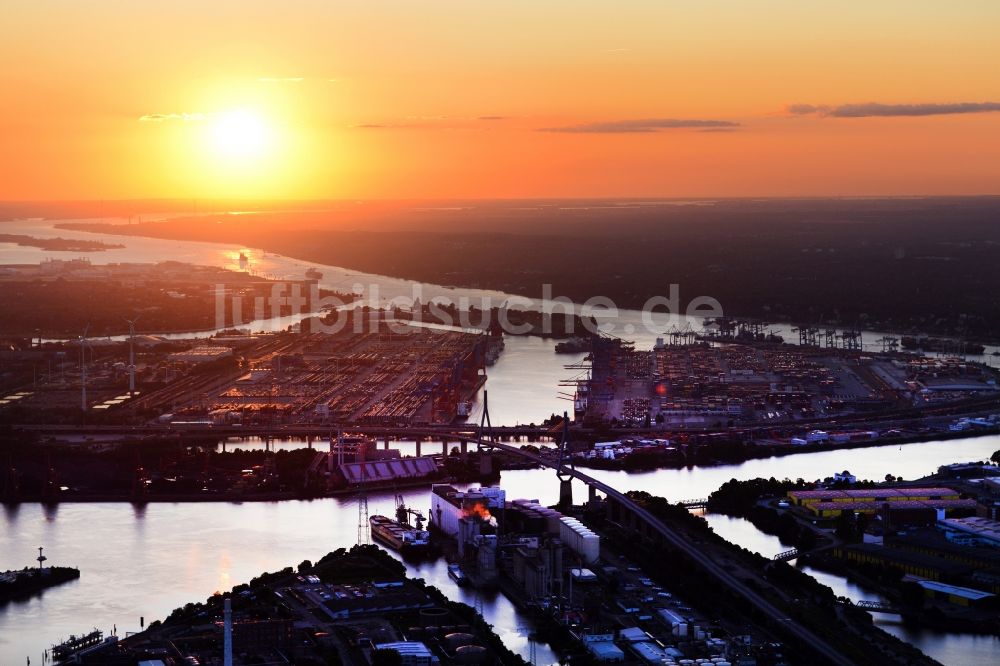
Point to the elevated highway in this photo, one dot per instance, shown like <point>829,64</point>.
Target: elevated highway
<point>649,524</point>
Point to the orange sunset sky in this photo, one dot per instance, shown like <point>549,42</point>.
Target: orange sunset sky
<point>473,98</point>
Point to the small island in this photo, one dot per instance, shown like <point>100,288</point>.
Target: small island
<point>59,244</point>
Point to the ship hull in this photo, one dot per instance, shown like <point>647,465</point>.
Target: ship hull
<point>399,537</point>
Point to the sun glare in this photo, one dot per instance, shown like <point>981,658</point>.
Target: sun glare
<point>240,134</point>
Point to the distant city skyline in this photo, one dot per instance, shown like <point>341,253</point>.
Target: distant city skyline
<point>437,100</point>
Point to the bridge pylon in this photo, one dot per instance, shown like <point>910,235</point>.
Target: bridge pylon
<point>485,425</point>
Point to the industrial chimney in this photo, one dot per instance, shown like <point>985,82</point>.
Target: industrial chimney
<point>227,645</point>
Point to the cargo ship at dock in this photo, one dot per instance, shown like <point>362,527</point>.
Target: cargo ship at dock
<point>577,345</point>
<point>400,536</point>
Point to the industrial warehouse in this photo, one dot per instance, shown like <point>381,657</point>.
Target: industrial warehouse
<point>831,503</point>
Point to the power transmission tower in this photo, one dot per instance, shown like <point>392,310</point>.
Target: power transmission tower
<point>131,356</point>
<point>526,631</point>
<point>478,602</point>
<point>83,369</point>
<point>364,529</point>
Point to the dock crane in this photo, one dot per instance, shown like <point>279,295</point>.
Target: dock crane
<point>404,512</point>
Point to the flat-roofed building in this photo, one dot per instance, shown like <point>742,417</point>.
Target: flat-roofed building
<point>938,508</point>
<point>649,652</point>
<point>972,531</point>
<point>603,648</point>
<point>411,653</point>
<point>960,596</point>
<point>877,494</point>
<point>930,541</point>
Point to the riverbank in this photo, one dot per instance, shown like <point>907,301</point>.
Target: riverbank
<point>227,497</point>
<point>293,471</point>
<point>765,451</point>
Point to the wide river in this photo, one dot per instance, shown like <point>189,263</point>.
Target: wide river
<point>144,562</point>
<point>147,561</point>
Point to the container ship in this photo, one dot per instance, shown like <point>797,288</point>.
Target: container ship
<point>910,342</point>
<point>400,536</point>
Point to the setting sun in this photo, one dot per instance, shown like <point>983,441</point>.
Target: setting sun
<point>239,135</point>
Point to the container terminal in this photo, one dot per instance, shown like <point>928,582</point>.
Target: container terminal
<point>734,383</point>
<point>391,375</point>
<point>384,377</point>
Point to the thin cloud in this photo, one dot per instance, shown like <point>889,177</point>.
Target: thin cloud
<point>281,79</point>
<point>643,126</point>
<point>164,117</point>
<point>420,123</point>
<point>807,109</point>
<point>876,110</point>
<point>433,123</point>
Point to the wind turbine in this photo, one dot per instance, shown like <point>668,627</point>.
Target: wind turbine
<point>83,369</point>
<point>131,356</point>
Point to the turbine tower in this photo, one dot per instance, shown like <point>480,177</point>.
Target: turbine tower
<point>227,632</point>
<point>83,369</point>
<point>364,527</point>
<point>131,356</point>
